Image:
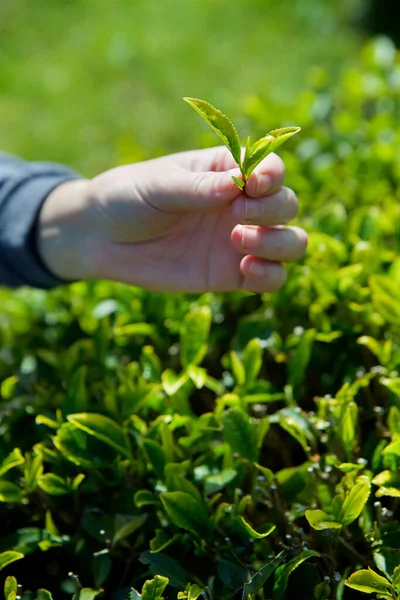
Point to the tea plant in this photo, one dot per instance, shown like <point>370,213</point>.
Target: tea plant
<point>223,446</point>
<point>255,152</point>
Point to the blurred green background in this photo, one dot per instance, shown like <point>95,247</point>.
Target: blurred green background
<point>95,83</point>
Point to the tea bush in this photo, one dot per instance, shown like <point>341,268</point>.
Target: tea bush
<point>224,446</point>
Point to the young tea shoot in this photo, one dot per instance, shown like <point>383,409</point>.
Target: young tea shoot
<point>225,129</point>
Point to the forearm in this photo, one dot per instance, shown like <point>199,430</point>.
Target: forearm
<point>24,187</point>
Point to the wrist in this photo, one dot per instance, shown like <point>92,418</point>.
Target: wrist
<point>65,232</point>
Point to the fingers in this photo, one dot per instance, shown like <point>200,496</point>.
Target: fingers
<point>267,177</point>
<point>261,276</point>
<point>278,244</point>
<point>278,209</point>
<point>217,158</point>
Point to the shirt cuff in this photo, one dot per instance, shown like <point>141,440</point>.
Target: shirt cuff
<point>17,232</point>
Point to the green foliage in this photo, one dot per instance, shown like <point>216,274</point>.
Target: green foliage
<point>254,153</point>
<point>223,446</point>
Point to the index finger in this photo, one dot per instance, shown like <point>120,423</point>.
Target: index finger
<point>217,158</point>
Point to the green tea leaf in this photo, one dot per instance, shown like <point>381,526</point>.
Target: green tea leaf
<point>237,431</point>
<point>282,135</point>
<point>10,587</point>
<point>396,578</point>
<point>217,482</point>
<point>192,593</point>
<point>394,420</point>
<point>255,154</point>
<point>8,557</point>
<point>43,595</point>
<point>318,519</point>
<point>239,182</point>
<point>264,146</point>
<point>322,591</point>
<point>283,572</point>
<point>386,297</point>
<point>104,429</point>
<point>249,531</point>
<point>101,567</point>
<point>219,123</point>
<point>144,498</point>
<point>259,579</point>
<point>172,382</point>
<point>81,448</point>
<point>54,485</point>
<point>164,565</point>
<point>153,589</point>
<point>348,425</point>
<point>389,484</point>
<point>14,459</point>
<point>156,455</point>
<point>368,581</point>
<point>186,512</point>
<point>9,492</point>
<point>194,335</point>
<point>393,447</point>
<point>355,501</point>
<point>252,360</point>
<point>87,594</point>
<point>128,528</point>
<point>237,366</point>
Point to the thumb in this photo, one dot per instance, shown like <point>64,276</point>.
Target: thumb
<point>204,191</point>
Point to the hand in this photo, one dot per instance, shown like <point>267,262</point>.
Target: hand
<point>173,224</point>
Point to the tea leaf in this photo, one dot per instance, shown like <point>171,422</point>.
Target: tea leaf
<point>9,492</point>
<point>194,335</point>
<point>368,581</point>
<point>249,531</point>
<point>255,154</point>
<point>318,519</point>
<point>238,432</point>
<point>8,557</point>
<point>104,429</point>
<point>259,579</point>
<point>283,572</point>
<point>220,124</point>
<point>10,587</point>
<point>153,589</point>
<point>239,182</point>
<point>14,459</point>
<point>87,594</point>
<point>54,485</point>
<point>282,135</point>
<point>252,360</point>
<point>355,501</point>
<point>156,455</point>
<point>186,512</point>
<point>264,146</point>
<point>43,595</point>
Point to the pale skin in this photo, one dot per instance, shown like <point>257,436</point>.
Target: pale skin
<point>175,224</point>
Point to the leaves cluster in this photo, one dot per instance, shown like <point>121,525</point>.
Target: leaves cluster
<point>223,446</point>
<point>254,153</point>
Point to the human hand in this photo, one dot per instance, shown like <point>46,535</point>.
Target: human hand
<point>173,224</point>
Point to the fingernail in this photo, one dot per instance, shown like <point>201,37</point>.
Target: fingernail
<point>264,183</point>
<point>250,237</point>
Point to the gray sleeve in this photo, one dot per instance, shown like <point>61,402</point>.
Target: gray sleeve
<point>23,188</point>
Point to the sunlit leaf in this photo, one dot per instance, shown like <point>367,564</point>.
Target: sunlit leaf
<point>368,581</point>
<point>104,429</point>
<point>219,123</point>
